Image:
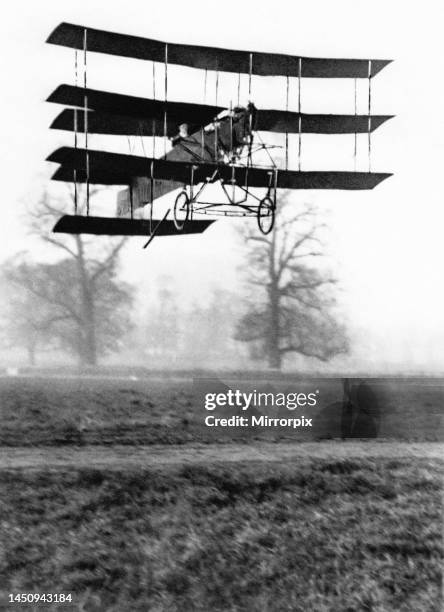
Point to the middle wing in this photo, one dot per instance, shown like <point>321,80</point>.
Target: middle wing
<point>118,169</point>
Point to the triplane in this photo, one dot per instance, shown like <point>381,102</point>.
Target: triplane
<point>211,146</point>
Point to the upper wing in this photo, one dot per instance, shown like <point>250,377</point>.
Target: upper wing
<point>104,165</point>
<point>211,58</point>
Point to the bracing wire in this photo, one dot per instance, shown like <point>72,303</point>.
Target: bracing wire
<point>216,133</point>
<point>250,72</point>
<point>141,139</point>
<point>130,148</point>
<point>217,84</point>
<point>154,80</point>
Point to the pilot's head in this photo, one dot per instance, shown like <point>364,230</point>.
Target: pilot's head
<point>183,130</point>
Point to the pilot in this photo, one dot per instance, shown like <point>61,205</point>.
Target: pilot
<point>244,121</point>
<point>182,135</point>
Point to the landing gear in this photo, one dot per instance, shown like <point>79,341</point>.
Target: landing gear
<point>265,215</point>
<point>181,210</point>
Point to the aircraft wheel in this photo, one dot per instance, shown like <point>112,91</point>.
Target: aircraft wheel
<point>265,215</point>
<point>181,210</point>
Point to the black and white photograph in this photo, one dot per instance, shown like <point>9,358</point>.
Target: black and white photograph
<point>222,306</point>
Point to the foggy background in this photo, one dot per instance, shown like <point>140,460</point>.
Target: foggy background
<point>188,294</point>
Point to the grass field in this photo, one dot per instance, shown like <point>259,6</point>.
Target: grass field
<point>110,490</point>
<point>50,411</point>
<point>344,535</point>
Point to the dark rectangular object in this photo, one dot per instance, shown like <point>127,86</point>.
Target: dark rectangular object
<point>288,122</point>
<point>134,106</point>
<point>123,166</point>
<point>111,226</point>
<point>107,164</point>
<point>211,58</point>
<point>117,125</point>
<point>97,176</point>
<point>266,120</point>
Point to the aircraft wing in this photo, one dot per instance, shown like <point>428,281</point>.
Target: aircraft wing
<point>125,114</point>
<point>212,58</point>
<point>266,121</point>
<point>113,124</point>
<point>288,122</point>
<point>111,226</point>
<point>104,165</point>
<point>120,114</point>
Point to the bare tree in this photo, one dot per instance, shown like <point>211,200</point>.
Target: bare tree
<point>291,303</point>
<point>89,305</point>
<point>47,309</point>
<point>25,320</point>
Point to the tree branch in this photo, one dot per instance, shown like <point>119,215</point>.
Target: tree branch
<point>104,265</point>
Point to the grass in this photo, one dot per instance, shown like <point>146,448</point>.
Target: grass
<point>313,536</point>
<point>45,411</point>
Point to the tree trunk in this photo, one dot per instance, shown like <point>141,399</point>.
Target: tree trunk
<point>90,345</point>
<point>275,360</point>
<point>31,354</point>
<point>274,353</point>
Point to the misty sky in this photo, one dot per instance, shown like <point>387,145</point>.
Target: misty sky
<point>386,245</point>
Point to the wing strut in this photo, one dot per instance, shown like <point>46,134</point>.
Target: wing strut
<point>153,122</point>
<point>286,131</point>
<point>369,115</point>
<point>75,133</point>
<point>166,100</point>
<point>85,104</point>
<point>299,111</point>
<point>355,149</point>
